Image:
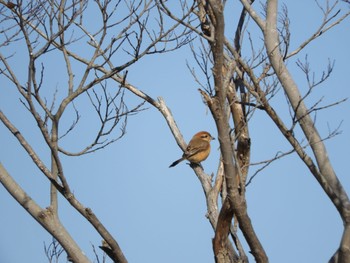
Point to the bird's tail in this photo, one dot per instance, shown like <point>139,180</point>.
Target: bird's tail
<point>177,161</point>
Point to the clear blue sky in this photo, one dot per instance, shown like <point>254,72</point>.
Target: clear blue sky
<point>157,214</point>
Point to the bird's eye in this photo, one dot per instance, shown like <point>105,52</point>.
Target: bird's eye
<point>204,136</point>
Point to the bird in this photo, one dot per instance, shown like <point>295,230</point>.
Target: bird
<point>198,148</point>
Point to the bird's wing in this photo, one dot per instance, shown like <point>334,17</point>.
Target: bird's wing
<point>195,146</point>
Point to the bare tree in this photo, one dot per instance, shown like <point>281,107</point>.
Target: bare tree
<point>233,85</point>
<point>57,28</point>
<point>240,85</point>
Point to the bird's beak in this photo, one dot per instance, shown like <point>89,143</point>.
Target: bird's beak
<point>212,138</point>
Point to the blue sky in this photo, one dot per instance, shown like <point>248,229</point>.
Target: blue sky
<point>157,214</point>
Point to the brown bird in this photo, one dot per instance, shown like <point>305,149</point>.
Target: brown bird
<point>198,148</point>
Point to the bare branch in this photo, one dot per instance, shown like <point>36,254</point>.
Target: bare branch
<point>253,14</point>
<point>325,25</point>
<point>53,251</point>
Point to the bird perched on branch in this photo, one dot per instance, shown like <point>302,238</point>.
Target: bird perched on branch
<point>198,148</point>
